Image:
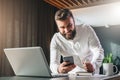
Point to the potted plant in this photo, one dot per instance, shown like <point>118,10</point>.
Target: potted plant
<point>108,65</point>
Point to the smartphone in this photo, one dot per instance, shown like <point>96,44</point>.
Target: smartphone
<point>69,59</point>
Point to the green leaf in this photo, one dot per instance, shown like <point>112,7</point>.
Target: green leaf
<point>108,58</point>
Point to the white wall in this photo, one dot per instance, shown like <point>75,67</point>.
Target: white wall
<point>101,15</point>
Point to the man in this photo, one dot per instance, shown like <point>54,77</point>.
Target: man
<point>80,42</point>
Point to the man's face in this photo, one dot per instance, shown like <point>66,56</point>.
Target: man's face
<point>66,27</point>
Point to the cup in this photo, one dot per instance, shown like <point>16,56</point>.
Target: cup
<point>108,69</point>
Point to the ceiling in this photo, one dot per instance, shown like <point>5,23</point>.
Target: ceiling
<point>73,4</point>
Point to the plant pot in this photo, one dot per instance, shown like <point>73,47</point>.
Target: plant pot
<point>108,69</point>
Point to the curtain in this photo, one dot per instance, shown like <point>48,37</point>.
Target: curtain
<point>24,23</point>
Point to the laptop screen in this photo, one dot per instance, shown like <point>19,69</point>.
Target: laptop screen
<point>28,61</point>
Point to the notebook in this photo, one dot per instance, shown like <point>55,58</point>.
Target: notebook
<point>29,61</point>
<point>84,73</point>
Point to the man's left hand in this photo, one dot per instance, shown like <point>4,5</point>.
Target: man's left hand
<point>88,67</point>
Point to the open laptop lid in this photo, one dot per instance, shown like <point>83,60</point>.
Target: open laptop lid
<point>28,61</point>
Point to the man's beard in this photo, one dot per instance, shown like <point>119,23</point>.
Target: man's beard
<point>69,36</point>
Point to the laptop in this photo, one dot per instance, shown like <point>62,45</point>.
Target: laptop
<point>29,61</point>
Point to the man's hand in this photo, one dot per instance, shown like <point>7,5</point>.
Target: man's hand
<point>65,67</point>
<point>88,67</point>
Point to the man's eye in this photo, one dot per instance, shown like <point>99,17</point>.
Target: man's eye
<point>69,25</point>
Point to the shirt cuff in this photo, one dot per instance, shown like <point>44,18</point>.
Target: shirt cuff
<point>54,68</point>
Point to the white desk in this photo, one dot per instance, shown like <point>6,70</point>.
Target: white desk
<point>115,77</point>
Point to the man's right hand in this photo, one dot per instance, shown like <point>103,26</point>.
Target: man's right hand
<point>65,67</point>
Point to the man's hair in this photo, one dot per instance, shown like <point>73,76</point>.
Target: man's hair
<point>63,14</point>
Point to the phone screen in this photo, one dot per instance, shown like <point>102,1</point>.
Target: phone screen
<point>69,59</point>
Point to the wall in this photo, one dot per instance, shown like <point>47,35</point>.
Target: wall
<point>24,23</point>
<point>100,15</point>
<point>110,40</point>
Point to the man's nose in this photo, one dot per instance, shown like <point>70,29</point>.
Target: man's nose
<point>67,29</point>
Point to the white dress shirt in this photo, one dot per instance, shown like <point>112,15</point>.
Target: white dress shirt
<point>84,46</point>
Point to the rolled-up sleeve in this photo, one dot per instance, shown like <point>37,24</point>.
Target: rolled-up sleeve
<point>96,49</point>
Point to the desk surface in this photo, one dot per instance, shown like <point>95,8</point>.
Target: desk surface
<point>116,77</point>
